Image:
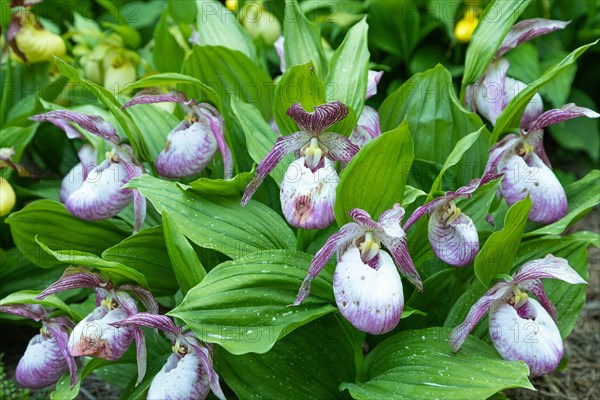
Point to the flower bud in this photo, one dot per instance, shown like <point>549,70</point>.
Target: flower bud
<point>7,197</point>
<point>119,71</point>
<point>260,23</point>
<point>466,26</point>
<point>42,364</point>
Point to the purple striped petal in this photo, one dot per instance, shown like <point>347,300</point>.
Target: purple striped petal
<point>61,337</point>
<point>73,278</point>
<point>205,353</point>
<point>181,378</point>
<point>42,364</point>
<point>369,297</point>
<point>141,354</point>
<point>148,320</point>
<point>477,311</point>
<point>528,334</point>
<point>534,108</point>
<point>422,210</point>
<point>152,97</point>
<point>283,146</point>
<point>339,148</point>
<point>373,79</point>
<point>566,112</point>
<point>66,126</point>
<point>75,178</point>
<point>535,286</point>
<point>367,128</point>
<point>94,336</point>
<point>363,218</point>
<point>398,247</point>
<point>31,311</point>
<point>307,197</point>
<point>456,243</point>
<point>190,147</point>
<point>280,52</point>
<point>320,119</point>
<point>91,123</point>
<point>101,195</point>
<point>526,30</point>
<point>549,267</point>
<point>217,126</point>
<point>145,297</point>
<point>531,175</point>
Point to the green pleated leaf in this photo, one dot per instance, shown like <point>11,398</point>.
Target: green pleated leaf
<point>395,25</point>
<point>156,124</point>
<point>60,230</point>
<point>582,196</point>
<point>167,54</point>
<point>299,84</point>
<point>375,178</point>
<point>116,271</point>
<point>146,252</point>
<point>499,251</point>
<point>308,364</point>
<point>437,120</point>
<point>420,365</point>
<point>217,223</point>
<point>302,40</point>
<point>182,11</point>
<point>217,26</point>
<point>347,79</point>
<point>186,265</point>
<point>511,116</point>
<point>245,305</point>
<point>495,22</point>
<point>222,187</point>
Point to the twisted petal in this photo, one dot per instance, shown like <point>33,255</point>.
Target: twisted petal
<point>363,218</point>
<point>549,267</point>
<point>320,119</point>
<point>370,298</point>
<point>422,210</point>
<point>73,278</point>
<point>534,108</point>
<point>283,146</point>
<point>367,128</point>
<point>531,175</point>
<point>181,378</point>
<point>373,79</point>
<point>61,337</point>
<point>148,320</point>
<point>535,286</point>
<point>566,112</point>
<point>536,140</point>
<point>145,297</point>
<point>455,243</point>
<point>528,334</point>
<point>399,249</point>
<point>526,30</point>
<point>217,126</point>
<point>307,197</point>
<point>42,364</point>
<point>205,353</point>
<point>339,148</point>
<point>152,97</point>
<point>91,123</point>
<point>477,311</point>
<point>31,311</point>
<point>95,336</point>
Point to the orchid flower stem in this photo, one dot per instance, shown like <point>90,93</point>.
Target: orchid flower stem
<point>304,238</point>
<point>353,334</point>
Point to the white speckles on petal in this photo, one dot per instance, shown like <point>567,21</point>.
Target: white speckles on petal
<point>181,378</point>
<point>307,197</point>
<point>529,334</point>
<point>370,299</point>
<point>42,364</point>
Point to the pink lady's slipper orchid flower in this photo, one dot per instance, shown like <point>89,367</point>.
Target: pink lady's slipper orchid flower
<point>188,373</point>
<point>91,191</point>
<point>526,168</point>
<point>452,234</point>
<point>193,143</point>
<point>490,96</point>
<point>367,128</point>
<point>47,356</point>
<point>308,189</point>
<point>366,285</point>
<point>94,336</point>
<point>522,328</point>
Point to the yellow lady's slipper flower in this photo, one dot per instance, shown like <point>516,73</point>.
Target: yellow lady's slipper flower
<point>36,43</point>
<point>466,26</point>
<point>231,5</point>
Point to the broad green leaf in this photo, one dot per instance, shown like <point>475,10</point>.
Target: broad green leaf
<point>499,251</point>
<point>108,99</point>
<point>459,150</point>
<point>299,84</point>
<point>347,79</point>
<point>437,120</point>
<point>302,40</point>
<point>375,178</point>
<point>18,273</point>
<point>156,124</point>
<point>198,90</point>
<point>18,137</point>
<point>582,196</point>
<point>146,252</point>
<point>116,271</point>
<point>524,63</point>
<point>217,223</point>
<point>244,305</point>
<point>495,22</point>
<point>308,364</point>
<point>28,297</point>
<point>182,11</point>
<point>420,365</point>
<point>511,116</point>
<point>394,26</point>
<point>410,195</point>
<point>186,265</point>
<point>60,230</point>
<point>167,54</point>
<point>223,187</point>
<point>260,138</point>
<point>558,89</point>
<point>217,26</point>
